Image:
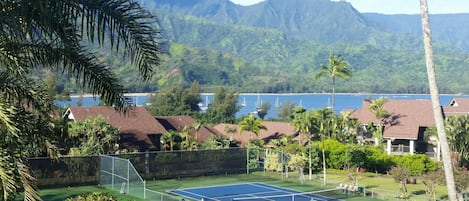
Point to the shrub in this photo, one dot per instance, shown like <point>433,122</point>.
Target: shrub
<point>377,160</point>
<point>272,162</point>
<point>417,164</point>
<point>95,196</point>
<point>335,153</point>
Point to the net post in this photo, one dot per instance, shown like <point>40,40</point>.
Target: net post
<point>144,190</point>
<point>292,197</point>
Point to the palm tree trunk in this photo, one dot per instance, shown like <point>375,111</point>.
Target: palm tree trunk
<point>427,40</point>
<point>324,166</point>
<point>333,94</point>
<point>309,160</point>
<point>323,161</point>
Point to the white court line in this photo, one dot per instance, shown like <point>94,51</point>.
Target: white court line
<point>196,195</point>
<point>214,186</point>
<point>274,189</point>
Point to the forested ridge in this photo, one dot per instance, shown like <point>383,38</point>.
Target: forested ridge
<point>278,47</point>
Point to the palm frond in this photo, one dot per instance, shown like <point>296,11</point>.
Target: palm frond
<point>7,116</point>
<point>27,179</point>
<point>7,175</point>
<point>98,77</point>
<point>22,91</point>
<point>136,28</point>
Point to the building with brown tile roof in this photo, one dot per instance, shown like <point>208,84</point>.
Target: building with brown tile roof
<point>404,128</point>
<point>457,106</point>
<point>274,130</point>
<point>139,130</point>
<point>178,123</point>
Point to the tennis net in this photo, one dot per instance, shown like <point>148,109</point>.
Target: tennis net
<point>320,195</point>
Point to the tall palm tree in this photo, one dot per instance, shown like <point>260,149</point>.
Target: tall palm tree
<point>59,35</point>
<point>251,124</point>
<point>337,68</point>
<point>435,96</point>
<point>323,121</point>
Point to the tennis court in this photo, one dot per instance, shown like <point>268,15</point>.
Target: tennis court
<point>250,192</point>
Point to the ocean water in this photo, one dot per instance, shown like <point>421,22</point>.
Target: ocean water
<point>250,102</point>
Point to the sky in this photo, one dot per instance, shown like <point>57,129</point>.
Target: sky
<point>397,6</point>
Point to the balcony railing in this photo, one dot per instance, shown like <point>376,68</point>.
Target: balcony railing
<point>400,149</point>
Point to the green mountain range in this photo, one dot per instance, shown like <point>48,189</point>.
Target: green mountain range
<point>278,45</point>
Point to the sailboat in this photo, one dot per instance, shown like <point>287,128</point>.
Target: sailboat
<point>258,104</point>
<point>277,104</point>
<point>243,104</point>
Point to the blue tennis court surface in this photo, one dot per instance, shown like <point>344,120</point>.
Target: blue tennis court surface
<point>255,191</point>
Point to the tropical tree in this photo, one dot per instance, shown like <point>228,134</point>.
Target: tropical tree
<point>457,129</point>
<point>188,142</point>
<point>263,109</point>
<point>196,127</point>
<point>170,139</point>
<point>337,68</point>
<point>175,101</point>
<point>216,142</point>
<point>322,124</point>
<point>401,175</point>
<point>94,136</point>
<point>224,106</point>
<point>53,34</point>
<point>252,125</point>
<point>435,97</point>
<point>377,108</point>
<point>286,111</point>
<point>347,128</point>
<point>302,124</point>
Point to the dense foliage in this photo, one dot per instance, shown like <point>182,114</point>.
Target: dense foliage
<point>262,58</point>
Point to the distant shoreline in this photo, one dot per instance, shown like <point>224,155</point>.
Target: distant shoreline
<point>283,94</point>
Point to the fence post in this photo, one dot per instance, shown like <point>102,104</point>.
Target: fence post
<point>128,176</point>
<point>112,176</point>
<point>247,160</point>
<point>283,166</point>
<point>144,190</point>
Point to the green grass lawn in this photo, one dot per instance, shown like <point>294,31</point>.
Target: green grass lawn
<point>60,194</point>
<point>383,186</point>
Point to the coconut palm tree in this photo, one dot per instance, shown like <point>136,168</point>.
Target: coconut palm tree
<point>427,41</point>
<point>251,124</point>
<point>302,124</point>
<point>377,108</point>
<point>337,68</point>
<point>170,139</point>
<point>323,121</point>
<point>53,34</point>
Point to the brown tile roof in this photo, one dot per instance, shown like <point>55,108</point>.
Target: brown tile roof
<point>177,123</point>
<point>457,106</point>
<point>137,121</point>
<point>274,130</point>
<point>406,116</point>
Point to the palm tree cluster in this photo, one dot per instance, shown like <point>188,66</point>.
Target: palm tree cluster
<point>59,35</point>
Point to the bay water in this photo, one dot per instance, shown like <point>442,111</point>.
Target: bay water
<point>250,102</point>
